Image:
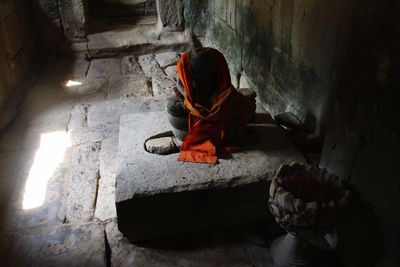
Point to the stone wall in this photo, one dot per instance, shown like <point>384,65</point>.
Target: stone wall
<point>56,20</point>
<point>60,21</point>
<point>335,64</point>
<point>17,47</point>
<point>292,51</point>
<point>363,144</point>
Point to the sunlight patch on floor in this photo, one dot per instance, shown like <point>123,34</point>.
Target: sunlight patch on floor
<point>49,155</point>
<point>71,83</point>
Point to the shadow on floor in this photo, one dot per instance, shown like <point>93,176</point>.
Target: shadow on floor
<point>360,237</point>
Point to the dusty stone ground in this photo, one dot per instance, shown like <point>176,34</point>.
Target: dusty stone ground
<point>76,223</point>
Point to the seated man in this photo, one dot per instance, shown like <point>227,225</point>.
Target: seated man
<point>218,114</point>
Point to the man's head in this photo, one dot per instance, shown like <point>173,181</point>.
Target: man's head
<point>204,73</point>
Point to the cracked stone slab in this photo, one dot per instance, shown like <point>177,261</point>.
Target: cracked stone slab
<point>161,83</point>
<point>167,59</point>
<point>131,66</point>
<point>149,65</point>
<point>82,182</point>
<point>163,86</point>
<point>105,67</point>
<point>171,71</point>
<point>105,206</point>
<point>58,245</point>
<point>85,135</point>
<point>159,196</point>
<point>109,112</point>
<point>129,85</point>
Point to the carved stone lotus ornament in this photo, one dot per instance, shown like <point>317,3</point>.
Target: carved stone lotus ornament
<point>306,202</point>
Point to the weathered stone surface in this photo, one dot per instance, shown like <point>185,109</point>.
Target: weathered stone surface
<point>82,183</point>
<point>88,90</point>
<point>149,65</point>
<point>153,189</point>
<point>109,112</point>
<point>244,81</point>
<point>161,146</point>
<point>51,211</point>
<point>130,65</point>
<point>104,68</point>
<point>171,71</point>
<point>163,86</point>
<point>161,83</point>
<point>105,205</point>
<point>128,85</point>
<point>167,59</point>
<point>171,14</point>
<point>72,14</point>
<point>138,39</point>
<point>66,69</point>
<point>14,166</point>
<point>61,245</point>
<point>38,115</point>
<point>50,8</point>
<point>206,249</point>
<point>78,117</point>
<point>97,134</point>
<point>339,154</point>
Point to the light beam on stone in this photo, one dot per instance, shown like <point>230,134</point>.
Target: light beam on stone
<point>71,83</point>
<point>49,155</point>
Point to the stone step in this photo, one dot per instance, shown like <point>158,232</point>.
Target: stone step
<point>137,40</point>
<point>158,196</point>
<point>118,39</point>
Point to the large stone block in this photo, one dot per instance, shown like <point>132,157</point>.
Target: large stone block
<point>83,183</point>
<point>158,196</point>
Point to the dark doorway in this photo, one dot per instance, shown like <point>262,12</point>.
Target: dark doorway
<point>107,15</point>
<point>101,9</point>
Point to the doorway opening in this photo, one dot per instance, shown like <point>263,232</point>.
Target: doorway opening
<point>108,14</point>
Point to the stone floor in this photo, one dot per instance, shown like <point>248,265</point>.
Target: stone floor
<point>57,162</point>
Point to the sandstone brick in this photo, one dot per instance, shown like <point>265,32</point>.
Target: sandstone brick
<point>158,196</point>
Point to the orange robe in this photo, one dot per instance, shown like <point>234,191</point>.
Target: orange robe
<point>209,130</point>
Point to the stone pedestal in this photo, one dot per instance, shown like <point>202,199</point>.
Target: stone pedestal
<point>158,196</point>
